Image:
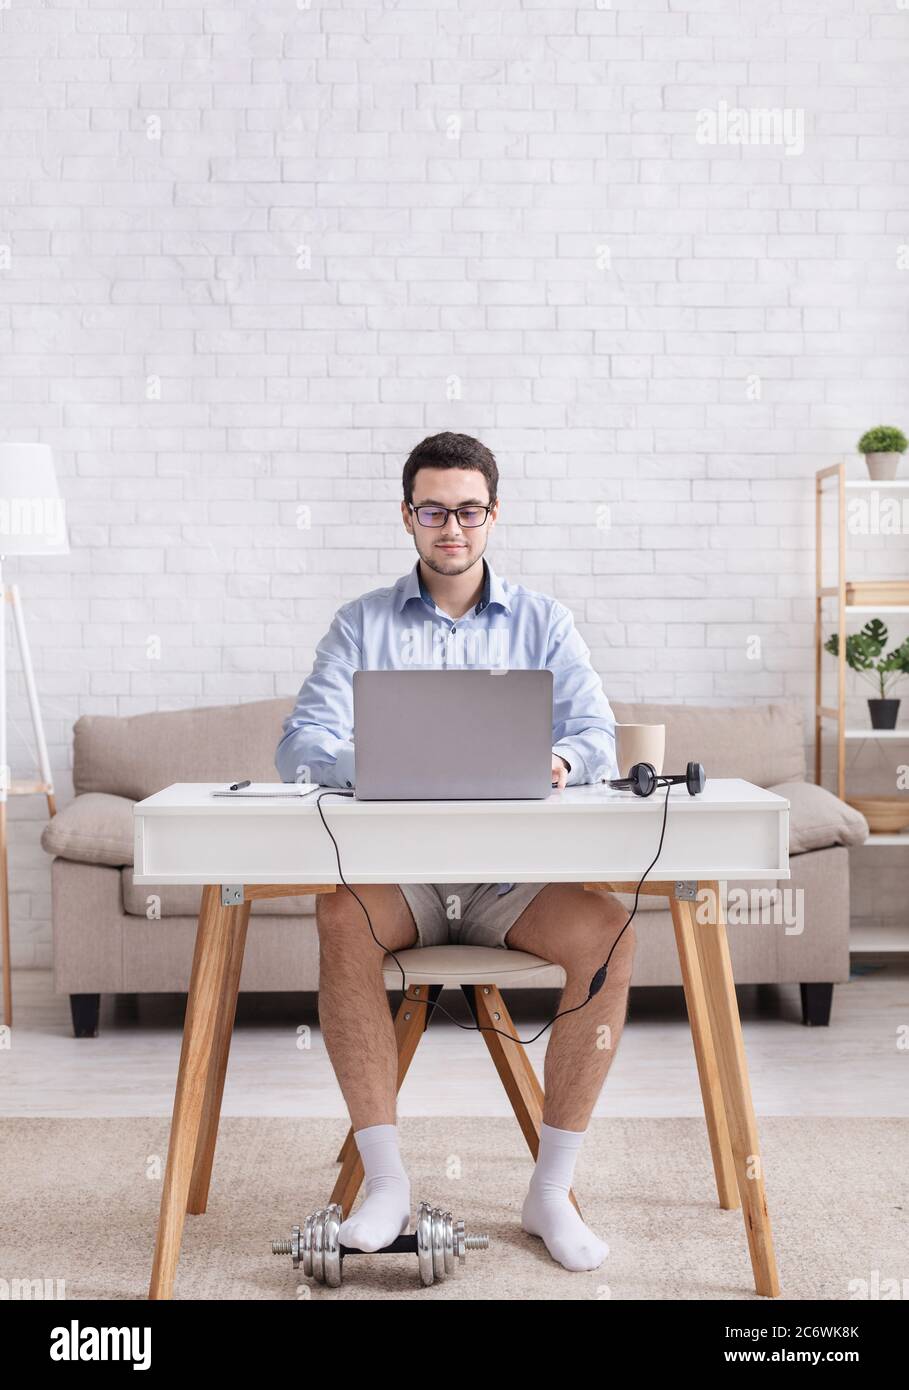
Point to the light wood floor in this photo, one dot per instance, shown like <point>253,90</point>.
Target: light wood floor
<point>854,1067</point>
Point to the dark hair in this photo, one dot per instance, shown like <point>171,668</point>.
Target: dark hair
<point>451,451</point>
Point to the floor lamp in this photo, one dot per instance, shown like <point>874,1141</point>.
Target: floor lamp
<point>32,522</point>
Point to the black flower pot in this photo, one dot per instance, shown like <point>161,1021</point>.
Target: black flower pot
<point>883,713</point>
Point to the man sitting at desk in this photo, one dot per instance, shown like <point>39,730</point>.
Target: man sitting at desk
<point>450,506</point>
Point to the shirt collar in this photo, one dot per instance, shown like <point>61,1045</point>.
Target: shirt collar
<point>493,589</point>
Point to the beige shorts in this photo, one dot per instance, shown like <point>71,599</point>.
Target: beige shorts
<point>468,914</point>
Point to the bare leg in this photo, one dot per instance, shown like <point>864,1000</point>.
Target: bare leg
<point>576,928</point>
<point>354,1015</point>
<point>360,1038</point>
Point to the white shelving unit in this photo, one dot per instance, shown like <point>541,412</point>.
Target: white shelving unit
<point>880,940</point>
<point>898,734</point>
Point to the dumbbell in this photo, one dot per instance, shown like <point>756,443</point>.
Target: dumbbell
<point>437,1242</point>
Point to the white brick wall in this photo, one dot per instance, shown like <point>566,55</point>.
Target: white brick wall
<point>314,225</point>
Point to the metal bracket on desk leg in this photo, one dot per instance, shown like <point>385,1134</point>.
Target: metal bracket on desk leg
<point>231,894</point>
<point>686,889</point>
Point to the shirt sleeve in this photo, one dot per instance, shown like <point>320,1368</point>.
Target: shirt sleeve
<point>317,741</point>
<point>583,724</point>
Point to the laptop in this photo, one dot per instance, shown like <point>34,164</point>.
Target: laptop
<point>432,735</point>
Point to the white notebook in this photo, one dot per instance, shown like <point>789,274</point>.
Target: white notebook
<point>271,789</point>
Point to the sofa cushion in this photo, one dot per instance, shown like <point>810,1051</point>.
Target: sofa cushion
<point>137,755</point>
<point>96,828</point>
<point>818,819</point>
<point>763,744</point>
<point>183,900</point>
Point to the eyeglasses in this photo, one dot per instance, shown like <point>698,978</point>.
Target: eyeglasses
<point>437,516</point>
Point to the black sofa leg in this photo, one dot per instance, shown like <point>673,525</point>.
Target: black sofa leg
<point>816,1002</point>
<point>85,1009</point>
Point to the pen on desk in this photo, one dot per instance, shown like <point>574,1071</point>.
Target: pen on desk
<point>237,786</point>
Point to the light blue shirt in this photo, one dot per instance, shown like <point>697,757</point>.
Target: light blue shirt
<point>399,627</point>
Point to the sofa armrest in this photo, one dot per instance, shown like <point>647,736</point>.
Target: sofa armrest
<point>95,828</point>
<point>818,819</point>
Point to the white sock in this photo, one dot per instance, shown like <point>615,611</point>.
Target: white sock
<point>548,1211</point>
<point>385,1211</point>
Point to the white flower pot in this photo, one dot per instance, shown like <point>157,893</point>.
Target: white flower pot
<point>883,468</point>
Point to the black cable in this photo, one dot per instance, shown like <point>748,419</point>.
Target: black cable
<point>596,984</point>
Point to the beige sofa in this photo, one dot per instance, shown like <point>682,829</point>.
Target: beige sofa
<point>111,935</point>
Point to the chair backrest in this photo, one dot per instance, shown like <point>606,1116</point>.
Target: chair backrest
<point>764,744</point>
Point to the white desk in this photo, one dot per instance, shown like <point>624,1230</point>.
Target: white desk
<point>245,849</point>
<point>732,830</point>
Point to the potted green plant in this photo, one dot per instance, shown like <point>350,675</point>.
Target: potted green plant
<point>864,654</point>
<point>882,448</point>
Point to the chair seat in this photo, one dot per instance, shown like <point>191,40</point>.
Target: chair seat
<point>471,965</point>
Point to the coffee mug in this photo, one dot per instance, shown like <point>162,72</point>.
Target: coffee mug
<point>640,743</point>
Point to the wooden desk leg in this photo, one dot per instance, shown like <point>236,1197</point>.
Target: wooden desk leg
<point>716,970</point>
<point>236,925</point>
<point>215,948</point>
<point>705,1056</point>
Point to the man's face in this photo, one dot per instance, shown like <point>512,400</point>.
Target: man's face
<point>452,548</point>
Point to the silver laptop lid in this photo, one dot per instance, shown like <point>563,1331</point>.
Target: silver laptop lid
<point>430,735</point>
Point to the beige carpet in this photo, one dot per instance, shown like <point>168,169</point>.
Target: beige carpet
<point>80,1202</point>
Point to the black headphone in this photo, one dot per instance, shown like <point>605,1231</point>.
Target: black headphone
<point>643,779</point>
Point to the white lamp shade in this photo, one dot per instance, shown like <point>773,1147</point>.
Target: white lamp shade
<point>32,515</point>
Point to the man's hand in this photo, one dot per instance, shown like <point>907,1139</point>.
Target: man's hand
<point>559,771</point>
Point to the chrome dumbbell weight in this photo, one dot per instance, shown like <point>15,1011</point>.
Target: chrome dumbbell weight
<point>437,1242</point>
